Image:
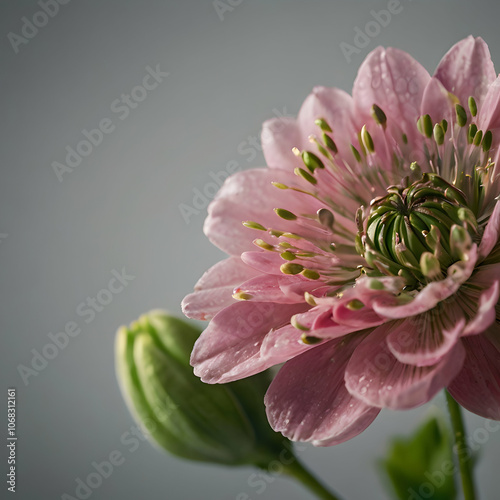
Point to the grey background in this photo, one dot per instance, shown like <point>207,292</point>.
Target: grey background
<point>120,208</point>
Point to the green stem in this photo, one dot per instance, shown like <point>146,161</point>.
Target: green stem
<point>464,459</point>
<point>300,473</point>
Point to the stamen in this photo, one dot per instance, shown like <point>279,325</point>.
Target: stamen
<point>311,161</point>
<point>291,268</point>
<point>285,214</point>
<point>310,274</point>
<point>305,175</point>
<point>287,256</point>
<point>262,244</point>
<point>461,115</point>
<point>254,225</point>
<point>379,116</point>
<point>242,296</point>
<point>438,134</point>
<point>472,106</point>
<point>367,140</point>
<point>326,218</point>
<point>323,125</point>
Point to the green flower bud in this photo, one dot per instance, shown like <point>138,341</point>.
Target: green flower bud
<point>224,424</point>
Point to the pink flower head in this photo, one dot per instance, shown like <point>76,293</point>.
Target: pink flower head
<point>366,257</point>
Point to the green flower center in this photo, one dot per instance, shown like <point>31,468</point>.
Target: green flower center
<point>417,230</point>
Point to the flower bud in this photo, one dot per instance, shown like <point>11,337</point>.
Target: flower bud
<point>223,424</point>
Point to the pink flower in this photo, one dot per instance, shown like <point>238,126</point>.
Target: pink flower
<point>366,257</point>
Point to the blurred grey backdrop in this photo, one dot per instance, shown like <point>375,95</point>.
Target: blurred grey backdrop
<point>231,64</point>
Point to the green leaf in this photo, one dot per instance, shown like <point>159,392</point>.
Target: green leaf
<point>422,466</point>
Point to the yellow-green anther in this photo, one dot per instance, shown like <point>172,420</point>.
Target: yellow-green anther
<point>254,225</point>
<point>356,154</point>
<point>285,244</point>
<point>323,125</point>
<point>285,214</point>
<point>379,116</point>
<point>296,324</point>
<point>275,233</point>
<point>307,339</point>
<point>287,256</point>
<point>310,274</point>
<point>375,284</point>
<point>444,124</point>
<point>305,175</point>
<point>355,305</point>
<point>478,138</point>
<point>472,132</point>
<point>330,143</point>
<point>420,124</point>
<point>262,244</point>
<point>279,185</point>
<point>487,140</point>
<point>461,115</point>
<point>242,296</point>
<point>430,265</point>
<point>472,106</point>
<point>291,268</point>
<point>310,299</point>
<point>325,217</point>
<point>367,140</point>
<point>404,138</point>
<point>291,235</point>
<point>311,161</point>
<point>438,134</point>
<point>427,126</point>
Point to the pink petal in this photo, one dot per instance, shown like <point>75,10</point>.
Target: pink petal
<point>278,137</point>
<point>467,70</point>
<point>283,344</point>
<point>214,289</point>
<point>276,288</point>
<point>249,195</point>
<point>434,292</point>
<point>424,339</point>
<point>229,349</point>
<point>488,117</point>
<point>376,377</point>
<point>486,312</point>
<point>491,234</point>
<point>227,272</point>
<point>437,102</point>
<point>308,401</point>
<point>477,386</point>
<point>337,108</point>
<point>264,261</point>
<point>394,81</point>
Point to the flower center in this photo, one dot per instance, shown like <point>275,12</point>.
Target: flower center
<point>417,230</point>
